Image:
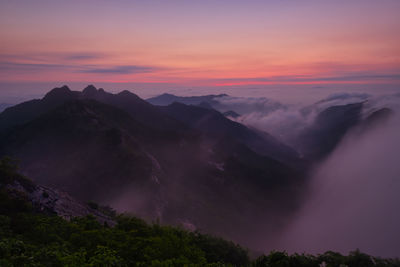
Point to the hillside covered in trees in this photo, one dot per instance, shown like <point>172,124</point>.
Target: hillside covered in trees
<point>30,237</point>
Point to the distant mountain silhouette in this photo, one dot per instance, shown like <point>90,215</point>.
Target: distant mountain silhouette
<point>213,123</point>
<point>377,117</point>
<point>231,113</point>
<point>329,127</point>
<point>167,99</point>
<point>3,106</point>
<point>332,124</point>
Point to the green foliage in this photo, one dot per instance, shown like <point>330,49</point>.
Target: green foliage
<point>31,239</point>
<point>41,240</point>
<point>328,259</point>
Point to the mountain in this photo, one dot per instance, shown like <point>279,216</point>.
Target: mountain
<point>79,138</point>
<point>231,113</point>
<point>215,124</point>
<point>139,109</point>
<point>45,199</point>
<point>3,106</point>
<point>179,164</point>
<point>131,103</point>
<point>167,99</point>
<point>205,105</point>
<point>330,126</point>
<point>376,117</point>
<point>29,110</point>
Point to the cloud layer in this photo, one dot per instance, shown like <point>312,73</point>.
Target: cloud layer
<point>353,199</point>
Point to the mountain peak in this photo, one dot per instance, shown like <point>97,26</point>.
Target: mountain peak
<point>127,93</point>
<point>166,94</point>
<point>58,92</point>
<point>89,90</point>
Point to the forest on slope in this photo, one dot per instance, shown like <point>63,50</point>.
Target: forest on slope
<point>32,237</point>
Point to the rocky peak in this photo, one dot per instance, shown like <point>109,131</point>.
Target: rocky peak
<point>90,90</point>
<point>58,93</point>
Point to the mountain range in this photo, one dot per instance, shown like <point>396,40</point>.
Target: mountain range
<point>178,163</point>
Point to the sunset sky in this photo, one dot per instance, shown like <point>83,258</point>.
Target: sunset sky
<point>201,43</point>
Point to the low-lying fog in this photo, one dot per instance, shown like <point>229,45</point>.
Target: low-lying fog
<point>353,199</point>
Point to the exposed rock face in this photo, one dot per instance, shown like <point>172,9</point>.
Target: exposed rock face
<point>48,200</point>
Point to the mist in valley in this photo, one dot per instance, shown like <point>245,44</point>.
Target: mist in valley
<point>352,197</point>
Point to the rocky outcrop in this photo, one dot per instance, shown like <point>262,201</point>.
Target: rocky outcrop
<point>52,201</point>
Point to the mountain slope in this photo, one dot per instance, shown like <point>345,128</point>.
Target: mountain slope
<point>139,109</point>
<point>215,124</point>
<point>78,139</point>
<point>167,99</point>
<point>329,127</point>
<point>194,177</point>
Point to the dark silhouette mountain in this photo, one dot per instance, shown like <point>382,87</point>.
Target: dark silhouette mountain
<point>3,106</point>
<point>375,118</point>
<point>29,110</point>
<point>329,127</point>
<point>139,109</point>
<point>231,113</point>
<point>205,105</point>
<point>181,164</point>
<point>81,139</point>
<point>378,116</point>
<point>167,99</point>
<point>135,106</point>
<point>215,124</point>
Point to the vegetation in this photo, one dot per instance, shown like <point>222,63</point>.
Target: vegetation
<point>28,238</point>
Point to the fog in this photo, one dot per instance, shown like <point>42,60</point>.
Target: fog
<point>284,121</point>
<point>354,198</point>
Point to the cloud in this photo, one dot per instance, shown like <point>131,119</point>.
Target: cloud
<point>353,198</point>
<point>83,56</point>
<point>367,77</point>
<point>68,62</point>
<point>345,96</point>
<point>352,77</point>
<point>49,58</point>
<point>286,122</point>
<point>125,69</point>
<point>283,121</point>
<point>245,105</point>
<point>340,99</point>
<point>30,67</point>
<point>45,67</point>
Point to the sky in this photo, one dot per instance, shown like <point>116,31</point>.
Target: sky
<point>162,45</point>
